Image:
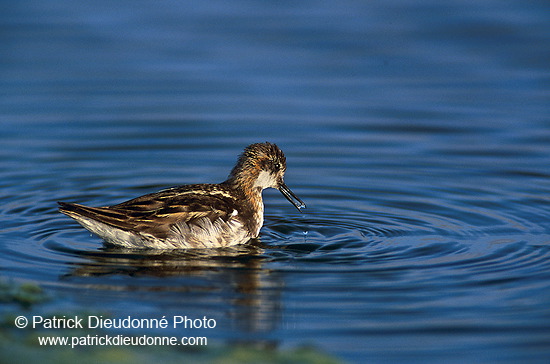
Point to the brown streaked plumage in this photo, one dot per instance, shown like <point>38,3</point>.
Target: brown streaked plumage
<point>194,216</point>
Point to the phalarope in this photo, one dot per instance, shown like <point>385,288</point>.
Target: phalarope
<point>194,216</point>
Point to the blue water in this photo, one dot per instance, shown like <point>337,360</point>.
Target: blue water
<point>418,134</point>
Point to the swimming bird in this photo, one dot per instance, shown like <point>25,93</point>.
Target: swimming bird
<point>197,215</point>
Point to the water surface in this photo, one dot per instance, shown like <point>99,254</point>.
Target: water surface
<point>417,134</point>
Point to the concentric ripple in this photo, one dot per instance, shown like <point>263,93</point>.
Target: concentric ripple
<point>375,234</point>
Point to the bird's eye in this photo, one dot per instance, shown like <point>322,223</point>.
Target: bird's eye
<point>277,166</point>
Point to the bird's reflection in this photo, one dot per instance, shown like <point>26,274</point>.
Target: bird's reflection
<point>236,275</point>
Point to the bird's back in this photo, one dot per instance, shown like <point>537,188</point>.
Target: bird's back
<point>191,216</point>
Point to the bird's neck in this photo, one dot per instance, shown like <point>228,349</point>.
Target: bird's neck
<point>251,201</point>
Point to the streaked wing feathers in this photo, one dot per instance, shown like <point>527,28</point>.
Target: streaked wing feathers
<point>156,214</point>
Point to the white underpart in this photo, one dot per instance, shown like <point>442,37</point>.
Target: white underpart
<point>110,234</point>
<point>202,234</point>
<point>260,219</point>
<point>265,180</point>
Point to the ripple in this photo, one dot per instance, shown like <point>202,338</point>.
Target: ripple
<point>372,235</point>
<point>475,243</point>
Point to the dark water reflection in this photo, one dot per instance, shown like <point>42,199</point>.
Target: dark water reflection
<point>250,292</point>
<point>417,134</point>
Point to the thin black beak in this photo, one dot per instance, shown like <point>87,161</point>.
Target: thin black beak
<point>291,197</point>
